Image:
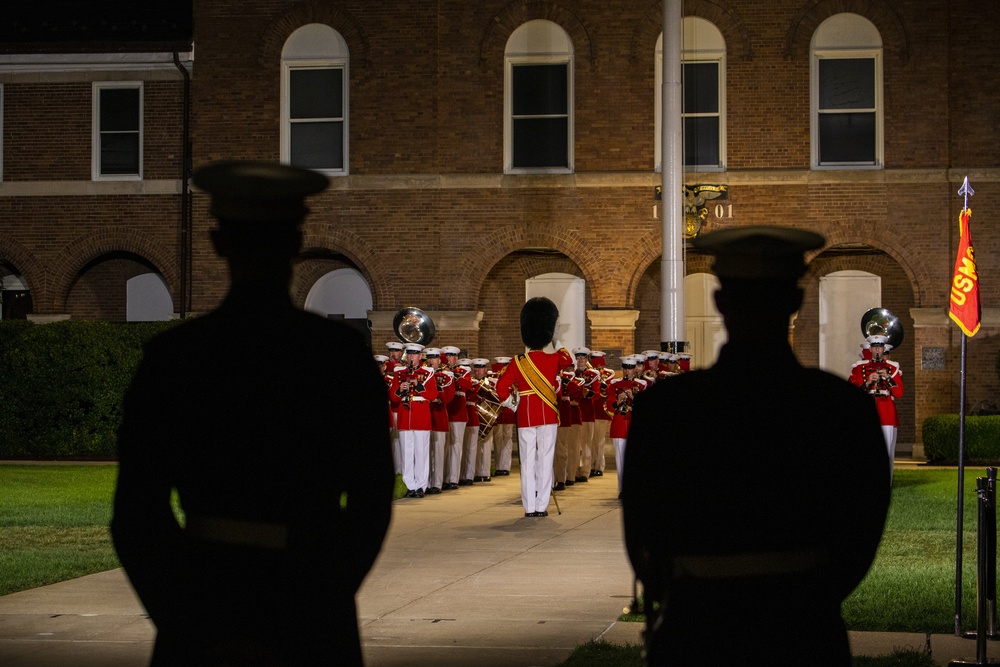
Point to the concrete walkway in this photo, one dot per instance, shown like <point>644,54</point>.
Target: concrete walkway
<point>463,579</point>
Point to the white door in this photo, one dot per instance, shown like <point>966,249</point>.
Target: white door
<point>703,325</point>
<point>147,299</point>
<point>340,292</point>
<point>844,296</point>
<point>569,294</point>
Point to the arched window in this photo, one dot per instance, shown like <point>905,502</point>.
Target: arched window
<point>703,76</point>
<point>538,99</point>
<point>314,76</point>
<point>846,93</point>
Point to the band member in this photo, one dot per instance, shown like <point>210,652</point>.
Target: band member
<point>439,418</point>
<point>683,362</point>
<point>470,445</point>
<point>413,388</point>
<point>651,366</point>
<point>602,422</point>
<point>534,376</point>
<point>484,458</point>
<point>458,416</point>
<point>395,354</point>
<point>589,380</point>
<point>621,392</point>
<point>569,417</point>
<point>883,380</point>
<point>503,428</point>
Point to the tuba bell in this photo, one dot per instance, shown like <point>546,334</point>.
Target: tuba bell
<point>413,325</point>
<point>881,322</point>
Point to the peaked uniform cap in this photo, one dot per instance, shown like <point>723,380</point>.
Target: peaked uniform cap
<point>258,192</point>
<point>759,252</point>
<point>450,349</point>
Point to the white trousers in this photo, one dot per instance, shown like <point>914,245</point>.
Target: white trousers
<point>438,440</point>
<point>469,451</point>
<point>601,429</point>
<point>503,441</point>
<point>586,449</point>
<point>415,446</point>
<point>619,445</point>
<point>485,455</point>
<point>536,445</point>
<point>453,455</point>
<point>397,452</point>
<point>890,442</point>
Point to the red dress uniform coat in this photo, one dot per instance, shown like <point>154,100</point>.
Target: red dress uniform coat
<point>506,416</point>
<point>415,414</point>
<point>439,406</point>
<point>472,397</point>
<point>532,411</point>
<point>885,398</point>
<point>457,408</point>
<point>569,400</point>
<point>621,420</point>
<point>590,389</point>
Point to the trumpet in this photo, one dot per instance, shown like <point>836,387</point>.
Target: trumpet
<point>411,379</point>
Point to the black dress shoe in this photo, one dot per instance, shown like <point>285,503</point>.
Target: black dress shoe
<point>433,490</point>
<point>561,486</point>
<point>420,493</point>
<point>486,479</point>
<point>570,482</point>
<point>598,473</point>
<point>465,482</point>
<point>410,494</point>
<point>542,513</point>
<point>501,473</point>
<point>593,473</point>
<point>449,486</point>
<point>529,514</point>
<point>581,479</point>
<point>478,478</point>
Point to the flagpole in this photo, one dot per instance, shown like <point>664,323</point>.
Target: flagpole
<point>961,491</point>
<point>962,269</point>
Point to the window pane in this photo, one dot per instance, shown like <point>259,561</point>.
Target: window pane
<point>847,137</point>
<point>847,83</point>
<point>317,93</point>
<point>318,145</point>
<point>540,90</point>
<point>540,142</point>
<point>119,109</point>
<point>701,88</point>
<point>701,141</point>
<point>120,153</point>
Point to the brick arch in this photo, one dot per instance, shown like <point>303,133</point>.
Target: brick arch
<point>27,264</point>
<point>493,247</point>
<point>84,249</point>
<point>309,270</point>
<point>814,12</point>
<point>503,24</point>
<point>647,30</point>
<point>361,254</point>
<point>326,13</point>
<point>902,250</point>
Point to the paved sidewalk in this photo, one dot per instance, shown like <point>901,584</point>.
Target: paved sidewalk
<point>463,579</point>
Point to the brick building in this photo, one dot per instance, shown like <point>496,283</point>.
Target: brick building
<point>482,151</point>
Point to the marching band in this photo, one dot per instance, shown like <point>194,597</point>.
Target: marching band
<point>435,405</point>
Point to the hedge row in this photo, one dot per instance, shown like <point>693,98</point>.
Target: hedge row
<point>982,439</point>
<point>61,385</point>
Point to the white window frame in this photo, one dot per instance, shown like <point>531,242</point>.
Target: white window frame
<point>868,52</point>
<point>512,60</point>
<point>95,150</point>
<point>691,55</point>
<point>340,61</point>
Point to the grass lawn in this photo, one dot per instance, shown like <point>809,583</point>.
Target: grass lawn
<point>53,525</point>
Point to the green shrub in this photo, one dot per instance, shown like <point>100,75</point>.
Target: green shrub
<point>982,439</point>
<point>61,385</point>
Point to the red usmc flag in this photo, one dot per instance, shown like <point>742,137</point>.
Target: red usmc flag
<point>964,301</point>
